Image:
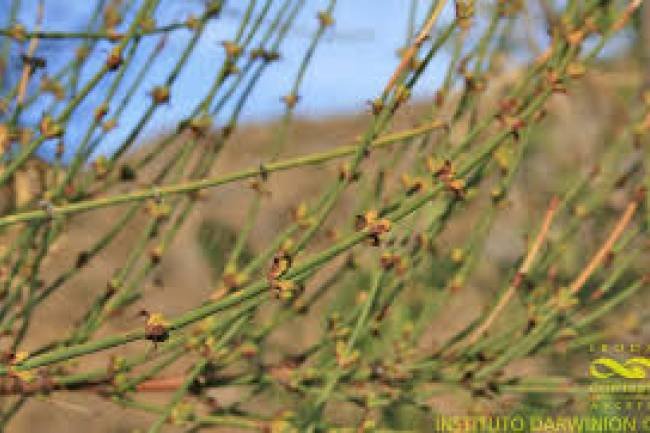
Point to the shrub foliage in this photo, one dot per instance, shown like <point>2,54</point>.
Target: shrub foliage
<point>364,270</point>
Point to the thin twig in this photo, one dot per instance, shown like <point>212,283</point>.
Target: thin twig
<point>138,195</point>
<point>411,51</point>
<point>523,270</point>
<point>607,246</point>
<point>27,67</point>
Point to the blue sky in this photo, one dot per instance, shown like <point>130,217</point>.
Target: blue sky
<point>350,67</point>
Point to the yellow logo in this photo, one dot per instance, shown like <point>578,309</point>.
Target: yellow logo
<point>632,368</point>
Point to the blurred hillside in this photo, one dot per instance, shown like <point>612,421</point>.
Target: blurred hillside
<point>575,130</point>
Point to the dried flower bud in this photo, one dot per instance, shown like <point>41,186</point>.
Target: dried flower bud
<point>416,64</point>
<point>343,358</point>
<point>100,165</point>
<point>19,357</point>
<point>148,24</point>
<point>457,255</point>
<point>464,13</point>
<point>214,8</point>
<point>576,37</point>
<point>109,125</point>
<point>380,226</point>
<point>386,260</point>
<point>156,328</point>
<point>497,193</point>
<point>114,59</point>
<point>49,128</point>
<point>234,280</point>
<point>392,261</point>
<point>192,23</point>
<point>160,94</point>
<point>363,221</point>
<point>474,83</point>
<point>345,172</point>
<point>564,299</point>
<point>26,376</point>
<point>325,19</point>
<point>53,86</point>
<point>127,173</point>
<point>82,259</point>
<point>514,124</point>
<point>259,187</point>
<point>267,56</point>
<point>509,7</point>
<point>503,156</point>
<point>576,69</point>
<point>286,246</point>
<point>200,125</point>
<point>114,35</point>
<point>422,241</point>
<point>290,100</point>
<point>33,61</point>
<point>402,94</point>
<point>18,32</point>
<point>300,216</point>
<point>412,185</point>
<point>101,111</point>
<point>555,82</point>
<point>248,349</point>
<point>182,413</point>
<point>508,105</point>
<point>436,165</point>
<point>155,254</point>
<point>285,290</point>
<point>458,187</point>
<point>6,137</point>
<point>233,50</point>
<point>158,210</point>
<point>376,106</point>
<point>642,127</point>
<point>281,263</point>
<point>581,210</point>
<point>112,16</point>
